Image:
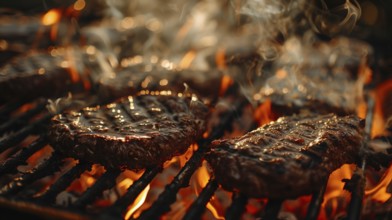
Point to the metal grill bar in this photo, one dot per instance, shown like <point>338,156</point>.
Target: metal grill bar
<point>48,167</point>
<point>10,165</point>
<point>358,178</point>
<point>106,181</point>
<point>357,192</point>
<point>63,182</point>
<point>165,199</point>
<point>23,133</point>
<point>121,205</point>
<point>315,203</point>
<point>197,208</point>
<point>237,207</point>
<point>10,107</point>
<point>272,209</point>
<point>22,120</point>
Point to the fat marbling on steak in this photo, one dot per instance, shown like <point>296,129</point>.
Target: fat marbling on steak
<point>290,157</point>
<point>135,132</point>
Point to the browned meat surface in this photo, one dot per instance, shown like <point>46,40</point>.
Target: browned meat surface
<point>135,132</point>
<point>34,75</point>
<point>287,158</point>
<point>131,80</point>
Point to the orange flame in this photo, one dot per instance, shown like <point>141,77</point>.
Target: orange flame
<point>220,59</point>
<point>383,96</point>
<point>51,17</point>
<point>335,186</point>
<point>379,193</point>
<point>263,114</point>
<point>187,59</point>
<point>226,82</point>
<point>87,179</point>
<point>202,177</point>
<point>128,179</point>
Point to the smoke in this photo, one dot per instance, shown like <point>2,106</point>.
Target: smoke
<point>334,19</point>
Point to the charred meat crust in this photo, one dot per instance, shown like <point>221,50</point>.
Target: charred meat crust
<point>287,158</point>
<point>131,80</point>
<point>134,132</point>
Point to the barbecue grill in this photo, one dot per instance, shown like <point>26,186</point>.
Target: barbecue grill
<point>16,192</point>
<point>35,179</point>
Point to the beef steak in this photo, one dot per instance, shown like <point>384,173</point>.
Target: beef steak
<point>135,132</point>
<point>290,157</point>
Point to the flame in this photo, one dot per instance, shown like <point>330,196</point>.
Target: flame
<point>87,179</point>
<point>38,156</point>
<point>263,114</point>
<point>335,186</point>
<point>383,95</point>
<point>51,17</point>
<point>73,73</point>
<point>126,179</point>
<point>138,202</point>
<point>202,177</point>
<point>220,59</point>
<point>187,59</point>
<point>379,193</point>
<point>226,82</point>
<point>79,5</point>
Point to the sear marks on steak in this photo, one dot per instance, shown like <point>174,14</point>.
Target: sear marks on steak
<point>322,77</point>
<point>36,74</point>
<point>290,157</point>
<point>131,80</point>
<point>134,132</point>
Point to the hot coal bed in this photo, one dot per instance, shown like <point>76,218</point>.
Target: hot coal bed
<point>250,62</point>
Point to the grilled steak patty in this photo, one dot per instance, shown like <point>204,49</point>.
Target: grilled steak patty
<point>287,158</point>
<point>131,80</point>
<point>134,132</point>
<point>34,75</point>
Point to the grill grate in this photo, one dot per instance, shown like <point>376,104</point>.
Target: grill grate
<point>11,193</point>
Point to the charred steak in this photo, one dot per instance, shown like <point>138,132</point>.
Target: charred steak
<point>36,74</point>
<point>131,80</point>
<point>134,132</point>
<point>287,158</point>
